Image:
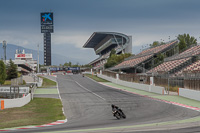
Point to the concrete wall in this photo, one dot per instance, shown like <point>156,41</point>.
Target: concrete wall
<point>39,83</point>
<point>86,72</point>
<point>188,93</point>
<point>144,87</point>
<point>18,102</point>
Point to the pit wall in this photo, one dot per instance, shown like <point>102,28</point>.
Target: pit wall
<point>18,102</point>
<point>188,93</point>
<point>144,87</point>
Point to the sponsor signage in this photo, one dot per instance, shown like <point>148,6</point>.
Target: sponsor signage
<point>73,68</point>
<point>23,55</point>
<point>53,68</point>
<point>22,90</point>
<point>46,28</point>
<point>61,69</point>
<point>46,18</point>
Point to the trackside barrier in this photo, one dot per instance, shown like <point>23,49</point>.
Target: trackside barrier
<point>188,93</point>
<point>18,102</point>
<point>144,87</point>
<point>2,104</point>
<point>86,72</point>
<point>39,83</point>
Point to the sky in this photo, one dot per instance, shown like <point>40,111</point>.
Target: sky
<point>75,21</point>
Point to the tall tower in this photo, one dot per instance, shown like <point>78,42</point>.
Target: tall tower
<point>47,29</point>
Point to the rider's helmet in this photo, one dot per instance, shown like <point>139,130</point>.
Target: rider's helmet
<point>113,106</point>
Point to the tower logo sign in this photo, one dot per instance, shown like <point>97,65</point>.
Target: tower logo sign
<point>47,18</point>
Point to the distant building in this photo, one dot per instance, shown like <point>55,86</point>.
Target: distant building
<point>104,42</point>
<point>24,61</point>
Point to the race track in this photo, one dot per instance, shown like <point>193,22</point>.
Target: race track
<point>87,105</point>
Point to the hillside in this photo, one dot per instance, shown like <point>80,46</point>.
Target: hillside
<point>11,49</point>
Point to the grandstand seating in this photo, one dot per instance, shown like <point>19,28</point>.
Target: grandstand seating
<point>156,49</point>
<point>170,65</point>
<point>189,52</point>
<point>133,62</point>
<point>193,67</point>
<point>143,56</point>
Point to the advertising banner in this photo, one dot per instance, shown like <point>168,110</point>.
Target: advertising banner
<point>23,56</point>
<point>22,90</point>
<point>74,68</point>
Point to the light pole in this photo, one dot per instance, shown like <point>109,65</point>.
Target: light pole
<point>4,47</point>
<point>168,82</point>
<point>38,70</point>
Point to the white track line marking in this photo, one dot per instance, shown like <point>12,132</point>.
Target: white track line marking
<point>90,91</point>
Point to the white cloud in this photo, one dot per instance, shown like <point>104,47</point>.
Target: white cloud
<point>143,39</point>
<point>28,40</point>
<point>77,39</point>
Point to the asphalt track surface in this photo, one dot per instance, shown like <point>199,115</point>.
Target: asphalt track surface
<point>87,105</point>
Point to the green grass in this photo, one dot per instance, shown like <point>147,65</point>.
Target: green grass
<point>7,82</point>
<point>39,111</point>
<point>47,83</point>
<point>94,77</point>
<point>174,89</point>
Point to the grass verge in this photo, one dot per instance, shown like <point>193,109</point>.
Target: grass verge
<point>47,82</point>
<point>39,111</point>
<point>7,82</point>
<point>174,89</point>
<point>94,77</point>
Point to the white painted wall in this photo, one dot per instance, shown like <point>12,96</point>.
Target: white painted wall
<point>18,102</point>
<point>39,84</point>
<point>188,93</point>
<point>144,87</point>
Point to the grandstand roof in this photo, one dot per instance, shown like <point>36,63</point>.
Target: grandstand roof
<point>97,37</point>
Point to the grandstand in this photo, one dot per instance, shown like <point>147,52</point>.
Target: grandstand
<point>194,67</point>
<point>184,62</point>
<point>104,42</point>
<point>145,59</point>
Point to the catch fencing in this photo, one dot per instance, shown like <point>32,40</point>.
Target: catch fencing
<point>17,81</point>
<point>189,81</point>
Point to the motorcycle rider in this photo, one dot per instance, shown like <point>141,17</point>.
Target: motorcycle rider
<point>116,109</point>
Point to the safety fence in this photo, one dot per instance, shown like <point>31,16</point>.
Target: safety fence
<point>17,81</point>
<point>16,96</point>
<point>144,87</point>
<point>189,81</point>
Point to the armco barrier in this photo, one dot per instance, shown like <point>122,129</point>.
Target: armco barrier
<point>144,87</point>
<point>188,93</point>
<point>18,102</point>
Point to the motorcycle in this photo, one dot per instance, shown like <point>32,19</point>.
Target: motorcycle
<point>119,114</point>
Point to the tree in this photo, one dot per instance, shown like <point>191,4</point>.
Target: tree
<point>185,41</point>
<point>115,59</point>
<point>11,70</point>
<point>113,51</point>
<point>68,64</point>
<point>155,43</point>
<point>2,72</point>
